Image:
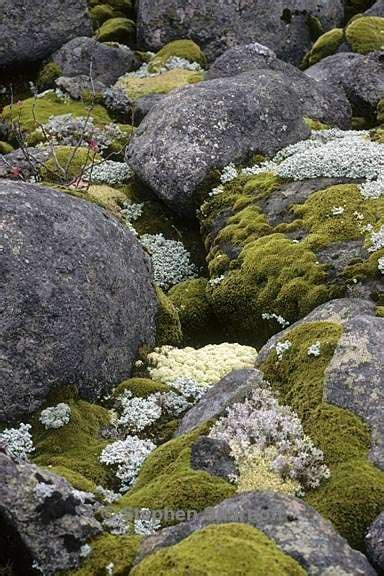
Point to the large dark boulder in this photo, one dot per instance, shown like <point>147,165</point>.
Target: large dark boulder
<point>103,62</point>
<point>244,58</point>
<point>43,520</point>
<point>295,528</point>
<point>360,77</point>
<point>78,300</point>
<point>283,25</point>
<point>213,123</point>
<point>30,30</point>
<point>374,541</point>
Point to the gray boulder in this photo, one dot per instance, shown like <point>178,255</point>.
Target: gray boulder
<point>45,521</point>
<point>213,456</point>
<point>104,62</point>
<point>354,378</point>
<point>208,125</point>
<point>232,388</point>
<point>376,10</point>
<point>75,86</point>
<point>78,299</point>
<point>31,30</point>
<point>23,163</point>
<point>283,25</point>
<point>374,541</point>
<point>296,528</point>
<point>361,77</point>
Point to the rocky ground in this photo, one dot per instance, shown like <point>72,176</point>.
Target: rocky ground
<point>192,328</point>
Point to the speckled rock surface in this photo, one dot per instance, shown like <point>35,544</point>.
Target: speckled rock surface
<point>232,388</point>
<point>106,62</point>
<point>31,30</point>
<point>295,527</point>
<point>46,520</point>
<point>78,299</point>
<point>376,10</point>
<point>213,456</point>
<point>354,379</point>
<point>374,541</point>
<point>216,26</point>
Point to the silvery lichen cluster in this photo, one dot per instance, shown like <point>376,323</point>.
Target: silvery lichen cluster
<point>282,347</point>
<point>127,456</point>
<point>108,172</point>
<point>17,441</point>
<point>170,260</point>
<point>373,188</point>
<point>55,416</point>
<point>173,63</point>
<point>272,316</point>
<point>314,349</point>
<point>261,427</point>
<point>68,130</point>
<point>132,212</point>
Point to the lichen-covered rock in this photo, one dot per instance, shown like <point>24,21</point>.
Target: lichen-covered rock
<point>79,86</point>
<point>295,528</point>
<point>243,58</point>
<point>192,131</point>
<point>45,521</point>
<point>225,549</point>
<point>285,26</point>
<point>32,30</point>
<point>213,456</point>
<point>103,62</point>
<point>79,300</point>
<point>360,77</point>
<point>232,388</point>
<point>374,540</point>
<point>25,163</point>
<point>376,10</point>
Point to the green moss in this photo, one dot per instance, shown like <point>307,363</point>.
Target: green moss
<point>117,30</point>
<point>29,113</point>
<point>67,164</point>
<point>186,49</point>
<point>48,74</point>
<point>136,88</point>
<point>168,327</point>
<point>77,480</point>
<point>141,387</point>
<point>124,6</point>
<point>315,124</point>
<point>324,46</point>
<point>100,14</point>
<point>367,270</point>
<point>76,447</point>
<point>166,480</point>
<point>377,135</point>
<point>5,148</point>
<point>106,549</point>
<point>197,318</point>
<point>366,34</point>
<point>222,549</point>
<point>352,496</point>
<point>380,111</point>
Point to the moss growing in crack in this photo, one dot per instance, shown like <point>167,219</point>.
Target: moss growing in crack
<point>31,112</point>
<point>168,327</point>
<point>74,448</point>
<point>48,74</point>
<point>354,494</point>
<point>198,322</point>
<point>117,30</point>
<point>324,46</point>
<point>366,34</point>
<point>315,124</point>
<point>166,480</point>
<point>186,49</point>
<point>109,549</point>
<point>224,549</point>
<point>67,164</point>
<point>135,87</point>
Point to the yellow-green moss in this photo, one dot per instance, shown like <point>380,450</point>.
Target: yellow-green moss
<point>117,30</point>
<point>5,148</point>
<point>366,34</point>
<point>380,311</point>
<point>197,318</point>
<point>33,111</point>
<point>77,480</point>
<point>168,327</point>
<point>107,549</point>
<point>109,198</point>
<point>141,387</point>
<point>166,480</point>
<point>67,164</point>
<point>100,14</point>
<point>354,494</point>
<point>377,135</point>
<point>76,447</point>
<point>135,87</point>
<point>324,46</point>
<point>221,550</point>
<point>380,112</point>
<point>48,74</point>
<point>186,49</point>
<point>315,124</point>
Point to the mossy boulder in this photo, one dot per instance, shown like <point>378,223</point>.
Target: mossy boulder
<point>186,49</point>
<point>166,480</point>
<point>107,549</point>
<point>135,87</point>
<point>366,34</point>
<point>168,327</point>
<point>117,30</point>
<point>5,148</point>
<point>226,549</point>
<point>48,74</point>
<point>100,14</point>
<point>324,46</point>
